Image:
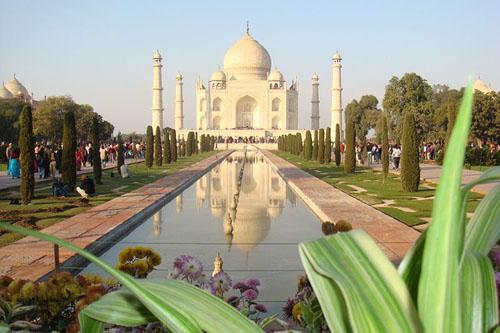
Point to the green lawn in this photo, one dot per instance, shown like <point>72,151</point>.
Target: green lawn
<point>481,168</point>
<point>3,167</point>
<point>413,207</point>
<point>46,210</point>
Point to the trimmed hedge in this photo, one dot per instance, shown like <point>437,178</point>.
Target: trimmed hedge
<point>410,168</point>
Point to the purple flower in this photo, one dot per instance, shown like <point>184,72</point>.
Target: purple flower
<point>233,300</point>
<point>288,308</point>
<point>261,308</point>
<point>306,291</point>
<point>250,294</point>
<point>253,283</point>
<point>495,256</point>
<point>189,267</point>
<point>240,285</point>
<point>220,283</point>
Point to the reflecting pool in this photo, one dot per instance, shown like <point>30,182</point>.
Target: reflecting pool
<point>256,232</point>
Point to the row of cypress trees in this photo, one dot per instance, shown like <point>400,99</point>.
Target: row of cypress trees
<point>170,152</point>
<point>320,149</point>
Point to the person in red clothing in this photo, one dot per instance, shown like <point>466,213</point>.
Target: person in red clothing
<point>79,158</point>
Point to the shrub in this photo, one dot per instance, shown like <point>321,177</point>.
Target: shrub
<point>69,149</point>
<point>96,156</point>
<point>385,147</point>
<point>158,153</point>
<point>173,145</point>
<point>190,144</point>
<point>167,155</point>
<point>321,147</point>
<point>120,159</point>
<point>138,261</point>
<point>337,145</point>
<point>27,147</point>
<point>328,145</point>
<point>350,140</point>
<point>308,146</point>
<point>300,147</point>
<point>315,146</point>
<point>149,146</point>
<point>410,169</point>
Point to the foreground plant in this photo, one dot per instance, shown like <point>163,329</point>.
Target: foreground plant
<point>445,283</point>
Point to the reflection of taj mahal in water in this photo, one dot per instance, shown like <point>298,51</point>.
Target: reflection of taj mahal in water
<point>260,201</point>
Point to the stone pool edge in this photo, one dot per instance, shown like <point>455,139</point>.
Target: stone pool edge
<point>331,204</point>
<point>31,259</point>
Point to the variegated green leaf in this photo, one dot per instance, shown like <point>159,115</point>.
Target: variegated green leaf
<point>173,318</point>
<point>89,325</point>
<point>376,297</point>
<point>483,230</point>
<point>439,290</point>
<point>479,294</point>
<point>211,313</point>
<point>410,267</point>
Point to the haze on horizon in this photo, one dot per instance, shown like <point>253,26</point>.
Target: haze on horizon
<point>100,52</point>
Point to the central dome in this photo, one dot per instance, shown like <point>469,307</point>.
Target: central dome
<point>247,59</point>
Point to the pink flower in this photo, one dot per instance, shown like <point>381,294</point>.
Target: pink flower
<point>250,294</point>
<point>261,308</point>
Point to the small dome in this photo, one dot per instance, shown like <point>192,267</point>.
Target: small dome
<point>275,75</point>
<point>336,56</point>
<point>4,93</point>
<point>16,88</point>
<point>247,59</point>
<point>157,55</point>
<point>482,87</point>
<point>315,77</point>
<point>178,76</point>
<point>218,75</point>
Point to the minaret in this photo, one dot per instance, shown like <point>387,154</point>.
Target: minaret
<point>336,108</point>
<point>179,103</point>
<point>315,103</point>
<point>157,103</point>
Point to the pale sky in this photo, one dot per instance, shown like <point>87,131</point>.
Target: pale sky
<point>99,52</point>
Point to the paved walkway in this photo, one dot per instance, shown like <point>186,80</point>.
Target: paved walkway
<point>7,182</point>
<point>432,172</point>
<point>32,259</point>
<point>331,204</point>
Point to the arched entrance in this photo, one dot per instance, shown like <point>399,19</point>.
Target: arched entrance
<point>245,109</point>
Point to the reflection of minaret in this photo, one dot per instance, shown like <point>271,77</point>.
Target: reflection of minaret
<point>178,203</point>
<point>336,108</point>
<point>157,104</point>
<point>157,223</point>
<point>315,103</point>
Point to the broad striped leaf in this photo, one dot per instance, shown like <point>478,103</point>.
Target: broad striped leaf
<point>329,296</point>
<point>479,294</point>
<point>376,297</point>
<point>439,291</point>
<point>173,318</point>
<point>483,230</point>
<point>410,267</point>
<point>88,324</point>
<point>211,313</point>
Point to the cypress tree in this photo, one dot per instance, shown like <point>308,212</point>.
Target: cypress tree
<point>183,147</point>
<point>337,145</point>
<point>315,145</point>
<point>167,155</point>
<point>158,153</point>
<point>27,147</point>
<point>321,147</point>
<point>149,146</point>
<point>96,156</point>
<point>196,147</point>
<point>300,147</point>
<point>120,160</point>
<point>173,145</point>
<point>385,147</point>
<point>350,140</point>
<point>328,145</point>
<point>69,149</point>
<point>189,143</point>
<point>308,146</point>
<point>410,169</point>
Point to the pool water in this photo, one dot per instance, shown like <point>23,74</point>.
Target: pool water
<point>268,221</point>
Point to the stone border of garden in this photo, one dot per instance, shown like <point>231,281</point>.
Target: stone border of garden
<point>331,204</point>
<point>29,258</point>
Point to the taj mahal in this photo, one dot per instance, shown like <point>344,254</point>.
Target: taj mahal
<point>247,97</point>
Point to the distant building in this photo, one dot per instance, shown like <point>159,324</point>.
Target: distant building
<point>15,89</point>
<point>479,85</point>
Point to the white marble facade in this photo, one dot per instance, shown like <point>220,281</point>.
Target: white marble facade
<point>247,94</point>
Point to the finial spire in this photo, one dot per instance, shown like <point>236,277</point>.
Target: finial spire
<point>248,29</point>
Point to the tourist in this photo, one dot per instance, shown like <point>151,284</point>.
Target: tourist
<point>59,189</point>
<point>86,187</point>
<point>103,155</point>
<point>40,163</point>
<point>53,164</point>
<point>14,169</point>
<point>8,152</point>
<point>396,156</point>
<point>78,159</point>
